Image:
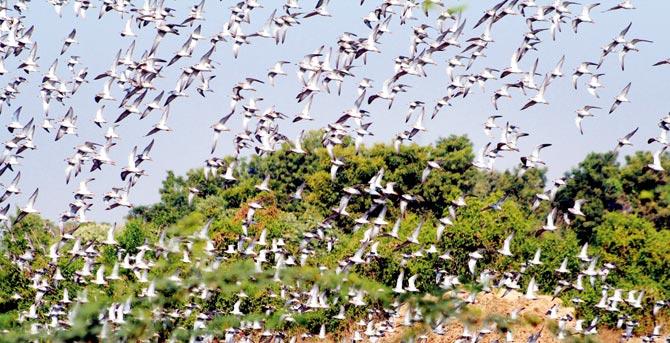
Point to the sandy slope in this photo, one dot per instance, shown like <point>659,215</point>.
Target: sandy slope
<point>531,319</point>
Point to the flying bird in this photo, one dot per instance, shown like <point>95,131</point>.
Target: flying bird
<point>625,140</point>
<point>583,113</point>
<point>620,98</point>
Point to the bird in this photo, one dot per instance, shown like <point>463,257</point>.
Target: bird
<point>594,84</point>
<point>550,222</point>
<point>531,289</point>
<point>320,9</point>
<point>582,69</point>
<point>219,127</point>
<point>69,40</point>
<point>276,70</point>
<point>399,283</point>
<point>539,97</point>
<point>132,169</point>
<point>625,140</point>
<point>99,119</point>
<point>656,165</point>
<point>576,209</point>
<point>411,284</point>
<point>497,206</point>
<point>236,308</point>
<point>514,66</point>
<point>29,208</point>
<point>583,253</point>
<point>109,240</point>
<point>490,124</point>
<point>563,269</point>
<point>162,123</point>
<point>583,113</point>
<point>620,98</point>
<point>624,5</point>
<point>534,158</point>
<point>662,62</point>
<point>505,251</point>
<point>264,185</point>
<point>297,146</point>
<point>661,139</point>
<point>128,29</point>
<point>584,16</point>
<point>106,93</point>
<point>431,165</point>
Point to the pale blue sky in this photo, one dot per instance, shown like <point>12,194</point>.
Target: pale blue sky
<point>188,145</point>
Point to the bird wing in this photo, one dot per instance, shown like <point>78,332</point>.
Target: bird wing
<point>630,134</point>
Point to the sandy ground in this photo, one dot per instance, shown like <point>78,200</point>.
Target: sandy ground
<point>489,304</point>
<point>531,319</point>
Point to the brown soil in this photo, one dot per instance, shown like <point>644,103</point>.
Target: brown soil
<point>530,321</point>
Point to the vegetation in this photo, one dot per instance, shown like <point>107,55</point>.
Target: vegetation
<point>626,223</point>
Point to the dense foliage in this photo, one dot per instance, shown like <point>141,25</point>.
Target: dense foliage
<point>626,223</point>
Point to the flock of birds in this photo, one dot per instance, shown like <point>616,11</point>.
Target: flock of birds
<point>327,69</point>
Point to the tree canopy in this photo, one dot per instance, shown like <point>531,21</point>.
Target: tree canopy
<point>199,262</point>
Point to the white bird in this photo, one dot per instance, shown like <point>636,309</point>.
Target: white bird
<point>414,237</point>
<point>625,140</point>
<point>429,167</point>
<point>29,208</point>
<point>128,29</point>
<point>656,164</point>
<point>99,119</point>
<point>115,272</point>
<point>395,229</point>
<point>551,217</point>
<point>219,127</point>
<point>110,236</point>
<point>472,261</point>
<point>583,253</point>
<point>556,73</point>
<point>236,308</point>
<point>297,144</point>
<point>162,123</point>
<point>411,284</point>
<point>620,98</point>
<point>624,5</point>
<point>320,9</point>
<point>490,124</point>
<point>593,85</point>
<point>304,113</point>
<point>505,251</point>
<point>275,71</point>
<point>539,98</point>
<point>69,40</point>
<point>576,209</point>
<point>106,93</point>
<point>265,184</point>
<point>563,269</point>
<point>661,139</point>
<point>583,113</point>
<point>531,289</point>
<point>584,16</point>
<point>298,192</point>
<point>536,258</point>
<point>100,276</point>
<point>514,66</point>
